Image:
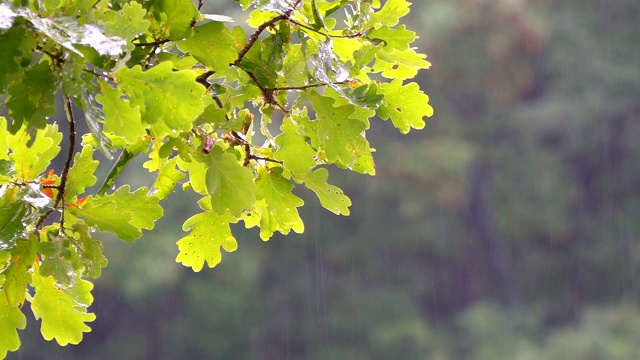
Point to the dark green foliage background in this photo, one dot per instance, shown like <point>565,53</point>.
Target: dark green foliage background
<point>507,229</point>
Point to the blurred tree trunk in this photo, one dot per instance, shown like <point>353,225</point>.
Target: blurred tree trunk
<point>482,222</point>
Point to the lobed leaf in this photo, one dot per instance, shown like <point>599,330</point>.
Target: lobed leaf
<point>229,184</point>
<point>212,45</point>
<point>404,114</point>
<point>17,275</point>
<point>293,150</point>
<point>11,320</point>
<point>31,99</point>
<point>63,310</point>
<point>81,174</point>
<point>340,136</point>
<point>123,213</point>
<point>331,197</point>
<point>279,210</point>
<point>120,118</point>
<point>173,99</point>
<point>209,232</point>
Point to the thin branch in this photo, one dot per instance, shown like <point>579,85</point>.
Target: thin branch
<point>356,35</point>
<point>67,164</point>
<point>153,43</point>
<point>255,157</point>
<point>65,171</point>
<point>256,34</point>
<point>303,87</point>
<point>92,72</point>
<point>267,94</point>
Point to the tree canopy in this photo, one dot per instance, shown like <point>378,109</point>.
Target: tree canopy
<point>239,118</point>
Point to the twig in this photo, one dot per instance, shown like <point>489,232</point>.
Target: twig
<point>358,34</point>
<point>67,164</point>
<point>303,87</point>
<point>256,34</point>
<point>266,93</point>
<point>65,170</point>
<point>153,43</point>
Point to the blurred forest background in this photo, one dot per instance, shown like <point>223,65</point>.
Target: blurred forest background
<point>508,229</point>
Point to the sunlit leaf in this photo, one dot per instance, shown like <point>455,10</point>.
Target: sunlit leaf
<point>279,212</point>
<point>390,13</point>
<point>17,275</point>
<point>81,174</point>
<point>209,233</point>
<point>293,150</point>
<point>340,136</point>
<point>63,310</point>
<point>331,197</point>
<point>120,118</point>
<point>30,161</point>
<point>168,177</point>
<point>11,320</point>
<point>404,114</point>
<point>212,45</point>
<point>164,95</point>
<point>229,184</point>
<point>398,64</point>
<point>176,16</point>
<point>398,38</point>
<point>123,213</point>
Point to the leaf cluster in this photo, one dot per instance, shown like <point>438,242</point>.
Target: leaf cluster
<point>240,119</point>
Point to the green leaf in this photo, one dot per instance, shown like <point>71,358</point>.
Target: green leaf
<point>10,41</point>
<point>129,22</point>
<point>293,150</point>
<point>212,45</point>
<point>257,62</point>
<point>176,16</point>
<point>12,214</point>
<point>209,233</point>
<point>340,136</point>
<point>229,184</point>
<point>390,13</point>
<point>120,118</point>
<point>404,114</point>
<point>55,259</point>
<point>30,161</point>
<point>11,320</point>
<point>80,175</point>
<point>398,64</point>
<point>171,97</point>
<point>31,99</point>
<point>197,174</point>
<point>280,211</point>
<point>331,197</point>
<point>63,310</point>
<point>17,274</point>
<point>294,67</point>
<point>399,38</point>
<point>123,213</point>
<point>90,251</point>
<point>168,177</point>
